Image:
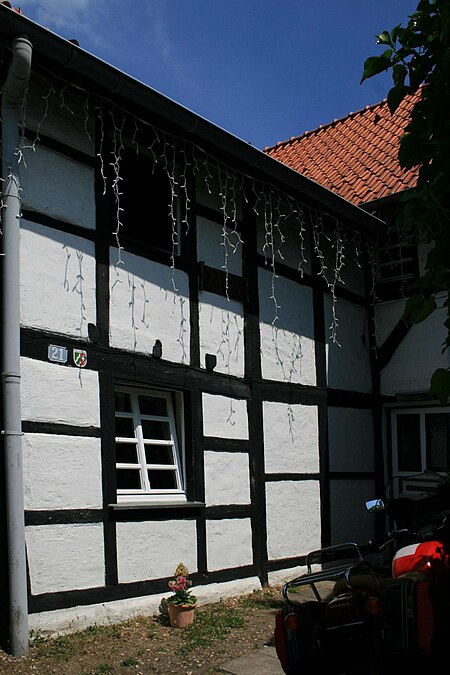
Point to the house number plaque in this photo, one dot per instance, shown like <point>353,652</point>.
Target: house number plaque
<point>57,353</point>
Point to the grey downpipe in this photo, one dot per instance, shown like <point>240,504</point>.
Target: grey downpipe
<point>13,96</point>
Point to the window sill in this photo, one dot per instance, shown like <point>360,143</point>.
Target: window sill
<point>128,506</point>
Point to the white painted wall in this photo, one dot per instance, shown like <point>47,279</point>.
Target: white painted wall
<point>65,557</point>
<point>350,521</point>
<point>222,333</point>
<point>348,360</point>
<point>61,472</point>
<point>291,438</point>
<point>218,248</point>
<point>227,478</point>
<point>57,280</point>
<point>144,307</point>
<point>293,518</point>
<point>350,439</point>
<point>59,394</point>
<point>58,187</point>
<point>387,315</point>
<point>224,417</point>
<point>419,354</point>
<point>287,347</point>
<point>228,543</point>
<point>150,550</point>
<point>60,112</point>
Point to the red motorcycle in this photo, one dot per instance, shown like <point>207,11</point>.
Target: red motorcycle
<point>382,611</point>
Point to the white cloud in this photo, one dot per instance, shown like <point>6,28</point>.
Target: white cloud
<point>161,40</point>
<point>69,18</point>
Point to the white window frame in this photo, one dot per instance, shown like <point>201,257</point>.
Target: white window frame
<point>176,442</point>
<point>412,410</point>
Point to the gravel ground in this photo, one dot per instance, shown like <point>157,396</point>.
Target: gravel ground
<point>221,632</point>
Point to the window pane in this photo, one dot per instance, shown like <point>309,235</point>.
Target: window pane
<point>162,480</point>
<point>153,405</point>
<point>123,402</point>
<point>128,479</point>
<point>159,454</point>
<point>152,429</point>
<point>126,453</point>
<point>124,427</point>
<point>408,443</point>
<point>437,440</point>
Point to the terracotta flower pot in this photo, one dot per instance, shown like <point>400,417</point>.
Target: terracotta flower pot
<point>180,616</point>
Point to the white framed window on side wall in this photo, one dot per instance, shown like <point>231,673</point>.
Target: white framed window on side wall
<point>420,439</point>
<point>149,441</point>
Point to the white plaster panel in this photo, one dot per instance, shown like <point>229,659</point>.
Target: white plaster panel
<point>56,393</point>
<point>348,359</point>
<point>58,186</point>
<point>61,472</point>
<point>224,417</point>
<point>145,307</point>
<point>291,438</point>
<point>229,543</point>
<point>350,439</point>
<point>291,241</point>
<point>293,518</point>
<point>350,520</point>
<point>57,281</point>
<point>65,557</point>
<point>387,315</point>
<point>415,360</point>
<point>150,550</point>
<point>287,346</point>
<point>227,478</point>
<point>215,249</point>
<point>222,332</point>
<point>61,113</point>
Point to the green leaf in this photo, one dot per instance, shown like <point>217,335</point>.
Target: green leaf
<point>384,38</point>
<point>440,384</point>
<point>376,64</point>
<point>418,308</point>
<point>395,97</point>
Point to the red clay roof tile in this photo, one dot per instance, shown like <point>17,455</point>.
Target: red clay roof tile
<point>355,156</point>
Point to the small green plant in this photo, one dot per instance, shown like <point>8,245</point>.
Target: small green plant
<point>129,662</point>
<point>180,587</point>
<point>103,669</point>
<point>212,623</point>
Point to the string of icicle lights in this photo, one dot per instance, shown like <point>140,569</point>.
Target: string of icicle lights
<point>332,246</point>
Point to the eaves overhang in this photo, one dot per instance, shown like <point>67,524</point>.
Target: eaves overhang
<point>69,61</point>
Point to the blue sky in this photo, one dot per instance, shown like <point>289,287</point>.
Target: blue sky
<point>265,70</point>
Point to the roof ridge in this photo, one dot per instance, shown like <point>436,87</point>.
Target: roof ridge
<point>326,126</point>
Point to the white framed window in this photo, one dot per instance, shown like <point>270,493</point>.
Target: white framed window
<point>420,439</point>
<point>149,445</point>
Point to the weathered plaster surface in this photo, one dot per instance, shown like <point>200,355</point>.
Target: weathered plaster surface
<point>145,307</point>
<point>58,187</point>
<point>61,472</point>
<point>227,478</point>
<point>350,439</point>
<point>211,246</point>
<point>57,285</point>
<point>224,417</point>
<point>348,360</point>
<point>350,521</point>
<point>291,438</point>
<point>287,346</point>
<point>293,518</point>
<point>229,543</point>
<point>422,348</point>
<point>222,333</point>
<point>60,394</point>
<point>150,550</point>
<point>61,113</point>
<point>65,557</point>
